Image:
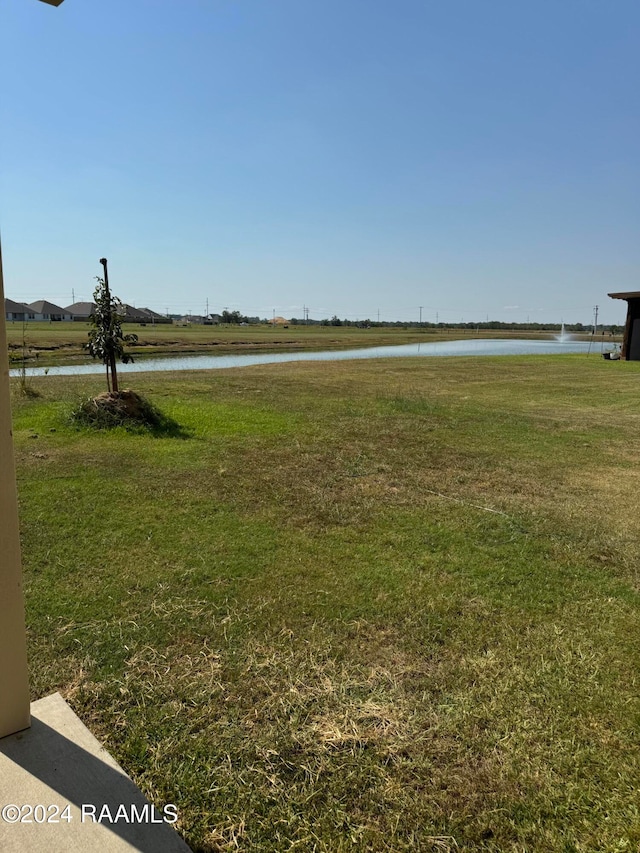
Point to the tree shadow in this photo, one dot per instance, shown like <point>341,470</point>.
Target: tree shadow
<point>166,427</point>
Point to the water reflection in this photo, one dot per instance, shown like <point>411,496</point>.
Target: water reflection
<point>218,362</point>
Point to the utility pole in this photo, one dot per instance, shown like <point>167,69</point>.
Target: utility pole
<point>595,322</point>
<point>421,307</point>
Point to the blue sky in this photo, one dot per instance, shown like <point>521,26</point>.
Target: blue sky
<point>479,159</point>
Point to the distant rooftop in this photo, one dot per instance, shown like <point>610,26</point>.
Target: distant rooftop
<point>84,309</point>
<point>44,307</point>
<point>15,307</point>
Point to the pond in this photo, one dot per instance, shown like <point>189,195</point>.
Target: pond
<point>444,348</point>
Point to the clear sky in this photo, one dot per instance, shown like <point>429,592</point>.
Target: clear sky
<point>478,159</point>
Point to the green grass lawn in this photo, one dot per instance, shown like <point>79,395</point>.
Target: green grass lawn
<point>355,606</point>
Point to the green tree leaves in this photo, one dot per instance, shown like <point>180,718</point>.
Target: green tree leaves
<point>106,339</point>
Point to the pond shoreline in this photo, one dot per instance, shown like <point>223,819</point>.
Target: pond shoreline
<point>479,347</point>
<point>49,345</point>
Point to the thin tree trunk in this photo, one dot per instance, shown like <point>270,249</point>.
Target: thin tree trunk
<point>114,374</point>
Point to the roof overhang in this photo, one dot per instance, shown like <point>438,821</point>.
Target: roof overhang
<point>634,294</point>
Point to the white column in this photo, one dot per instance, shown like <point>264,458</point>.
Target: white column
<point>14,677</point>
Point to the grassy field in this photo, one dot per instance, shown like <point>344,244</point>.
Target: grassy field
<point>54,343</point>
<point>352,606</point>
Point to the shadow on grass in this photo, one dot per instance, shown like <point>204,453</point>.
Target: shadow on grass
<point>129,411</point>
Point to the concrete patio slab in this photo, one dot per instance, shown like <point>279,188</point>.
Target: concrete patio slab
<point>60,791</point>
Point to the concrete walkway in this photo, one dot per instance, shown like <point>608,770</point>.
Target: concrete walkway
<point>85,801</point>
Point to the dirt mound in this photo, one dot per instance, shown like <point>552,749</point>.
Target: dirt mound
<point>123,408</point>
<point>122,405</point>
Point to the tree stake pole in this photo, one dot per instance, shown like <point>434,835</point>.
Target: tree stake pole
<point>112,356</point>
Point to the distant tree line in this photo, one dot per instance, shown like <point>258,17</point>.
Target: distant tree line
<point>235,318</point>
<point>489,324</point>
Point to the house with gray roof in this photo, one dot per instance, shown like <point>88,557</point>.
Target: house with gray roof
<point>153,316</point>
<point>142,315</point>
<point>48,311</point>
<point>81,311</point>
<point>133,315</point>
<point>17,311</point>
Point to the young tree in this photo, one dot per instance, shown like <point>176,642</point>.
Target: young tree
<point>106,338</point>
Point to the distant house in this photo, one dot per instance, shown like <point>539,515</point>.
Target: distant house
<point>81,311</point>
<point>142,315</point>
<point>17,311</point>
<point>133,315</point>
<point>48,311</point>
<point>153,317</point>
